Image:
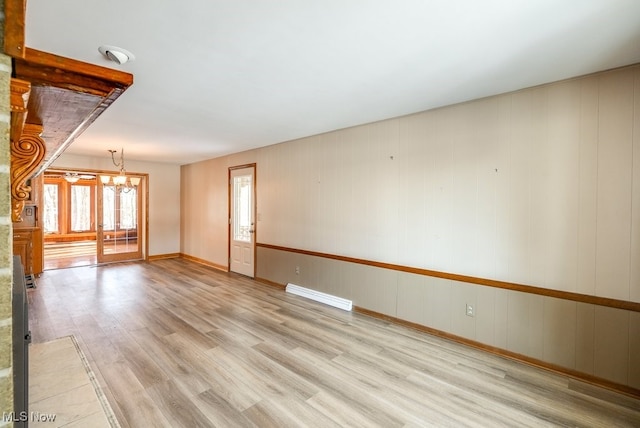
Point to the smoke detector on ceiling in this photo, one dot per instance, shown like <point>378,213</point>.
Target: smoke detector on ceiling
<point>116,54</point>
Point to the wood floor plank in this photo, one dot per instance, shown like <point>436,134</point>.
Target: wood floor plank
<point>177,344</point>
<point>341,412</point>
<point>270,380</point>
<point>283,412</point>
<point>177,407</point>
<point>219,412</point>
<point>333,382</point>
<point>236,390</point>
<point>130,401</point>
<point>141,364</point>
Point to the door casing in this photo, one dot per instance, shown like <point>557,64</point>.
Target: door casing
<point>232,170</point>
<point>142,225</point>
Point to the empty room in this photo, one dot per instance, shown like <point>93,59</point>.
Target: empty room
<point>321,213</point>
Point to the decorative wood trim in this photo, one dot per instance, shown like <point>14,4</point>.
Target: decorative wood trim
<point>246,165</point>
<point>70,237</point>
<point>52,78</point>
<point>594,380</point>
<point>282,287</point>
<point>204,262</point>
<point>145,233</point>
<point>558,294</point>
<point>20,91</point>
<point>14,27</point>
<point>164,256</point>
<point>26,155</point>
<point>44,68</point>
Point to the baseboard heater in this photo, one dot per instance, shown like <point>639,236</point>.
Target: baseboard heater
<point>327,299</point>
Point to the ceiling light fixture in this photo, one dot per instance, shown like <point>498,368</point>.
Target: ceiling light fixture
<point>121,180</point>
<point>116,54</point>
<point>71,177</point>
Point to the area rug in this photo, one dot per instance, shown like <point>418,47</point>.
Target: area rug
<point>62,385</point>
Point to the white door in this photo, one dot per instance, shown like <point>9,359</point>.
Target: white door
<point>242,220</point>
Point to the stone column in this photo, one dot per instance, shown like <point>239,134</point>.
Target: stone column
<point>6,247</point>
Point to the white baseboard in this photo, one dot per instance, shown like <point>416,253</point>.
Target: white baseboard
<point>318,296</point>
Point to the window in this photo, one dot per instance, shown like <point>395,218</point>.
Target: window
<point>69,208</point>
<point>80,208</point>
<point>51,211</point>
<point>242,212</point>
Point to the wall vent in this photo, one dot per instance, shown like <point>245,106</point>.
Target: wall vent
<point>327,299</point>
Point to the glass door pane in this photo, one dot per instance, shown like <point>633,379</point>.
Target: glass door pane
<point>51,205</point>
<point>242,213</point>
<point>118,234</point>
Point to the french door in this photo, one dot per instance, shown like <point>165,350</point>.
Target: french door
<point>119,223</point>
<point>242,228</point>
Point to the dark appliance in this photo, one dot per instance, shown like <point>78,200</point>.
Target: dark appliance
<point>21,340</point>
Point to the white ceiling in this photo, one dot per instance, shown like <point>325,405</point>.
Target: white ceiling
<point>213,77</point>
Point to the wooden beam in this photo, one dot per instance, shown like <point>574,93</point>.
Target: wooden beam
<point>67,95</point>
<point>14,25</point>
<point>44,68</point>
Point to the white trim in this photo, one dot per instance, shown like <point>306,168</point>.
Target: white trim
<point>319,296</point>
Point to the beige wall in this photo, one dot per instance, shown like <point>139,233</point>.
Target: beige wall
<point>594,340</point>
<point>538,187</point>
<point>204,202</point>
<point>164,196</point>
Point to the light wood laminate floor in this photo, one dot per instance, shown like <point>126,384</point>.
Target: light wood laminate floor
<point>62,255</point>
<point>176,344</point>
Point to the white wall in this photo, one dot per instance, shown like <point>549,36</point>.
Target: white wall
<point>164,196</point>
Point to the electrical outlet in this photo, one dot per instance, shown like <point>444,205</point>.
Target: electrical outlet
<point>297,270</point>
<point>471,311</point>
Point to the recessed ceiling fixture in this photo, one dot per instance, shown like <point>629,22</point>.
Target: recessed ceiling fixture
<point>116,54</point>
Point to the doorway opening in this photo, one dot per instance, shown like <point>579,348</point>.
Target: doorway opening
<point>87,219</point>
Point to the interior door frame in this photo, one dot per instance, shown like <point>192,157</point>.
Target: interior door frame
<point>142,223</point>
<point>229,213</point>
<point>143,192</point>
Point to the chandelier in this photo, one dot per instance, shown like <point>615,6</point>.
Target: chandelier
<point>120,180</point>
